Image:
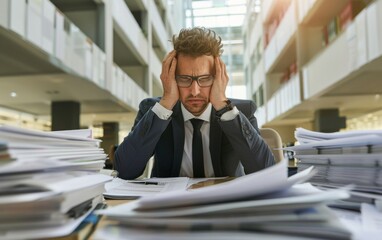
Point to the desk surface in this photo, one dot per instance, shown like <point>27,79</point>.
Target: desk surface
<point>352,223</point>
<point>103,221</point>
<point>110,202</point>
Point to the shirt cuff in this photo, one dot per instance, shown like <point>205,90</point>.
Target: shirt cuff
<point>230,114</point>
<point>162,112</point>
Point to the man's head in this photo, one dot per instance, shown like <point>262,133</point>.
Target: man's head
<point>196,49</point>
<point>197,41</point>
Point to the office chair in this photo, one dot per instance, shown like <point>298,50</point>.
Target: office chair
<point>273,139</point>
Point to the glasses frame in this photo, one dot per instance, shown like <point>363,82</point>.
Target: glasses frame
<point>194,78</point>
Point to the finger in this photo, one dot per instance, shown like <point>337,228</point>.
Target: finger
<point>167,61</point>
<point>173,67</point>
<point>217,67</point>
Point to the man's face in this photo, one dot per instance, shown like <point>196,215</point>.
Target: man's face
<point>195,98</point>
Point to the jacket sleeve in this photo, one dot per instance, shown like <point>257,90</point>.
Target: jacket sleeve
<point>243,134</point>
<point>138,147</point>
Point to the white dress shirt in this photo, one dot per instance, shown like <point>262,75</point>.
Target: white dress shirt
<point>186,169</point>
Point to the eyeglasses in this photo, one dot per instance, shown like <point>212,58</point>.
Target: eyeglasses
<point>185,81</point>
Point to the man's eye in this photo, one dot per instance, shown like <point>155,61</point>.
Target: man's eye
<point>204,79</point>
<point>182,79</point>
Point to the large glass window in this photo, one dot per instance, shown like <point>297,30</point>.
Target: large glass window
<point>226,18</point>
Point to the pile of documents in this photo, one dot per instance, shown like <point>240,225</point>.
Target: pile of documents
<point>49,181</point>
<point>263,204</point>
<point>343,158</point>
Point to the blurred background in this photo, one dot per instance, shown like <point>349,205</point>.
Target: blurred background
<point>69,64</point>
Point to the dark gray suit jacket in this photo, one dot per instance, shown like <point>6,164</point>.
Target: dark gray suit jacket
<point>236,146</point>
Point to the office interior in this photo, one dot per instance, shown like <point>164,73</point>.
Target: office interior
<point>67,64</point>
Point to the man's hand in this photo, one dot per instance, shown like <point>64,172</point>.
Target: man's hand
<point>217,94</point>
<point>170,88</point>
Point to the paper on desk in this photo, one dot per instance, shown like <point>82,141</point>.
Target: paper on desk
<point>75,187</point>
<point>269,180</point>
<point>306,136</point>
<point>119,232</point>
<point>298,210</point>
<point>44,232</point>
<point>124,189</point>
<point>367,159</point>
<point>364,225</point>
<point>297,197</point>
<point>356,141</point>
<point>49,165</point>
<point>79,135</point>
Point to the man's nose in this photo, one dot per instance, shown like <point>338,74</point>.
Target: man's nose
<point>195,89</point>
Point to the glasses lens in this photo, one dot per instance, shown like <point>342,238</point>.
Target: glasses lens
<point>183,81</point>
<point>205,81</point>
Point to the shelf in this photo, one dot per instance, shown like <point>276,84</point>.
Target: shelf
<point>281,51</point>
<point>75,5</point>
<point>271,9</point>
<point>258,76</point>
<point>158,26</point>
<point>129,32</point>
<point>349,106</point>
<point>18,56</point>
<point>39,78</point>
<point>356,94</point>
<point>323,11</point>
<point>283,59</point>
<point>341,71</point>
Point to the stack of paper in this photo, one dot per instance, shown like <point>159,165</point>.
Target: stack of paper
<point>44,188</point>
<point>262,202</point>
<point>343,158</point>
<point>30,150</point>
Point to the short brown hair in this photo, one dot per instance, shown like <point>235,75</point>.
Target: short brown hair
<point>198,41</point>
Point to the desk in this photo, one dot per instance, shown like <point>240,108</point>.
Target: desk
<point>349,223</point>
<point>103,221</point>
<point>110,202</point>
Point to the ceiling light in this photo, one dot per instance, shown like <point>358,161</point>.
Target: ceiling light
<point>13,94</point>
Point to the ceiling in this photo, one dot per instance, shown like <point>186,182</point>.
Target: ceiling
<point>38,79</point>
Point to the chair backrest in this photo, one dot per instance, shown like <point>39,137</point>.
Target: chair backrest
<point>273,139</point>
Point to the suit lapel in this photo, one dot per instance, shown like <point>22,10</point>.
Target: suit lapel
<point>178,135</point>
<point>215,144</point>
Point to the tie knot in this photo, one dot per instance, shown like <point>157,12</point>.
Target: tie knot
<point>196,123</point>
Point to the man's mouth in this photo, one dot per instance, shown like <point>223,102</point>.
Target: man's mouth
<point>195,101</point>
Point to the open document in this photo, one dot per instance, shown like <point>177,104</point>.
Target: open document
<point>125,189</point>
<point>266,201</point>
<point>255,184</point>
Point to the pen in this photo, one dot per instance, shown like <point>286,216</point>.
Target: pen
<point>146,183</point>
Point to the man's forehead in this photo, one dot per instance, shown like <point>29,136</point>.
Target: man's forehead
<point>208,58</point>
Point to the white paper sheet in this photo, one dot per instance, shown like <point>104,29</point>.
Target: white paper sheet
<point>296,197</point>
<point>251,185</point>
<point>306,136</point>
<point>124,189</point>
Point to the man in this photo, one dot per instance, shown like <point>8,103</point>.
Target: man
<point>194,80</point>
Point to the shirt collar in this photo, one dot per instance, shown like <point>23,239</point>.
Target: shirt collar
<point>205,116</point>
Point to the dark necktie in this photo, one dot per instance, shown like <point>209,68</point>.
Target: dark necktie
<point>197,149</point>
